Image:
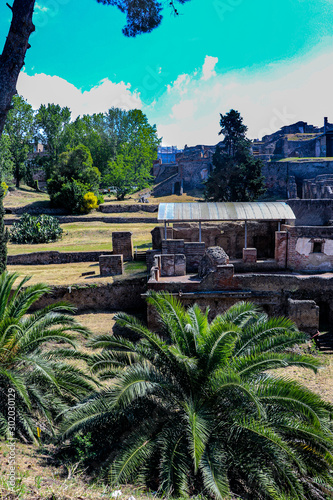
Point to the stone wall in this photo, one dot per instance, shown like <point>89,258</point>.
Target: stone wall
<point>312,212</point>
<point>277,174</point>
<point>110,208</point>
<point>122,295</point>
<point>272,292</point>
<point>228,235</point>
<point>52,257</point>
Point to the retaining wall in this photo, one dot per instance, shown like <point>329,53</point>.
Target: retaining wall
<point>121,295</point>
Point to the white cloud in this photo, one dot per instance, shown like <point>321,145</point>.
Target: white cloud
<point>208,69</point>
<point>41,8</point>
<point>188,112</point>
<point>42,89</point>
<point>267,99</point>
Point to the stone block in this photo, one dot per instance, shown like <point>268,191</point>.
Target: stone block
<point>180,265</point>
<point>305,313</point>
<point>122,244</point>
<point>250,255</point>
<point>167,265</point>
<point>172,246</point>
<point>223,275</point>
<point>111,265</point>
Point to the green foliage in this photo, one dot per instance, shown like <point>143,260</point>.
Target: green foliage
<point>197,408</point>
<point>120,178</point>
<point>6,162</point>
<point>51,123</point>
<point>3,230</point>
<point>100,199</point>
<point>236,175</point>
<point>72,178</point>
<point>37,359</point>
<point>118,139</point>
<point>19,129</point>
<point>35,229</point>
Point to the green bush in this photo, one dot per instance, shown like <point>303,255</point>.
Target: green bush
<point>30,229</point>
<point>100,199</point>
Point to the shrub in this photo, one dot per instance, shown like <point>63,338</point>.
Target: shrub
<point>89,202</point>
<point>5,188</point>
<point>69,197</point>
<point>30,229</point>
<point>100,199</point>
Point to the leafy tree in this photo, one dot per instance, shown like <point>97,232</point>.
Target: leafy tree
<point>90,130</point>
<point>35,350</point>
<point>72,178</point>
<point>120,177</point>
<point>51,122</point>
<point>135,144</point>
<point>205,411</point>
<point>236,174</point>
<point>3,231</point>
<point>6,162</point>
<point>19,129</point>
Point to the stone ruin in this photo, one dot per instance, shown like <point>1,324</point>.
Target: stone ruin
<point>213,257</point>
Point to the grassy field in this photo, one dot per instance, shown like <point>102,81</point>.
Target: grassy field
<point>89,236</point>
<point>67,274</point>
<point>305,160</point>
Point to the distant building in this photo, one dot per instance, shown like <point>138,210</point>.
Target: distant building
<point>168,153</point>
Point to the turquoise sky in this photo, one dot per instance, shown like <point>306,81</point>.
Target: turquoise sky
<point>82,43</point>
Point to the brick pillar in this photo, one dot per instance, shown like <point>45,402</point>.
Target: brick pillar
<point>224,276</point>
<point>122,244</point>
<point>281,241</point>
<point>111,265</point>
<point>250,255</point>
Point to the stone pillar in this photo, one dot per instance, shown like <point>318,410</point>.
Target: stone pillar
<point>281,241</point>
<point>250,255</point>
<point>122,244</point>
<point>111,265</point>
<point>305,313</point>
<point>224,275</point>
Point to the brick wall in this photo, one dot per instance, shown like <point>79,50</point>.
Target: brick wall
<point>122,244</point>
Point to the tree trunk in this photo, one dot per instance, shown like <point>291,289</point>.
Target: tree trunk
<point>12,57</point>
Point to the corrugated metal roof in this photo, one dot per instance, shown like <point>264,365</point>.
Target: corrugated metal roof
<point>259,210</point>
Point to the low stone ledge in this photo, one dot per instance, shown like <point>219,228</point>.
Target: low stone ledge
<point>53,257</point>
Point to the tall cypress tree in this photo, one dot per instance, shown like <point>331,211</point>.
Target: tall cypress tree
<point>3,232</point>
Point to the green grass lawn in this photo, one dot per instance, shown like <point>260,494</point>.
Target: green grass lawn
<point>69,274</point>
<point>89,236</point>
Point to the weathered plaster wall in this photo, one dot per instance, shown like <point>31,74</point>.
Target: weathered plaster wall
<point>302,245</point>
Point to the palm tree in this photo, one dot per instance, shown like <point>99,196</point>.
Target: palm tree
<point>205,411</point>
<point>35,359</point>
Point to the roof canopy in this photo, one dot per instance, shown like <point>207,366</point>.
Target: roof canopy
<point>247,211</point>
